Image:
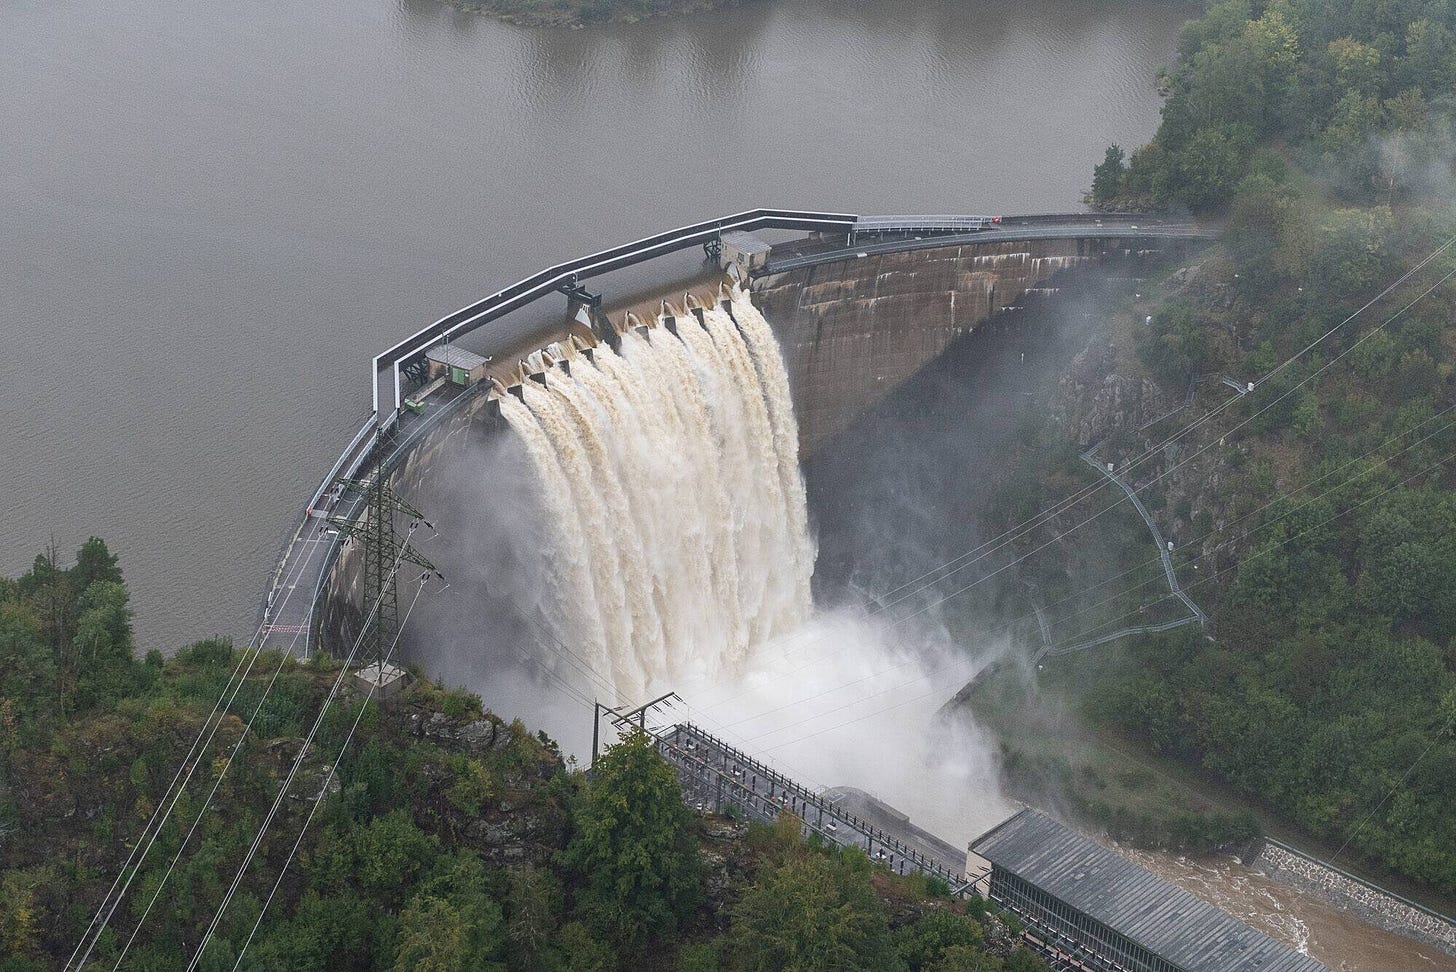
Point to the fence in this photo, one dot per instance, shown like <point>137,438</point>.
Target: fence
<point>737,778</point>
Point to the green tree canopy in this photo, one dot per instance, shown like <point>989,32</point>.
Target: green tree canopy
<point>634,846</point>
<point>813,913</point>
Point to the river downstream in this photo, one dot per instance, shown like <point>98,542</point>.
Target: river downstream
<point>1341,941</point>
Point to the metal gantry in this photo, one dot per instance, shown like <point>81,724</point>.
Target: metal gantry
<point>376,531</point>
<point>723,775</point>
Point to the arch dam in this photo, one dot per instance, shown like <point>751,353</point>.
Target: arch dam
<point>858,304</point>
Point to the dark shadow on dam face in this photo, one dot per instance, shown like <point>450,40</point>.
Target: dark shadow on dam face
<point>920,478</point>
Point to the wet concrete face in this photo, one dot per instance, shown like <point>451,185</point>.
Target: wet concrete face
<point>854,331</point>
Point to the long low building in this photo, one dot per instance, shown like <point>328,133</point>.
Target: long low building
<point>1094,909</point>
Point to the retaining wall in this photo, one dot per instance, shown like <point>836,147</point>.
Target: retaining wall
<point>1371,902</point>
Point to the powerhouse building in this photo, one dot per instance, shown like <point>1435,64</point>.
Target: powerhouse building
<point>1092,909</point>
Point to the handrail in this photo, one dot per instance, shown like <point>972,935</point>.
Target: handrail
<point>1028,229</point>
<point>349,450</point>
<point>1164,550</point>
<point>806,796</point>
<point>489,308</point>
<point>572,272</point>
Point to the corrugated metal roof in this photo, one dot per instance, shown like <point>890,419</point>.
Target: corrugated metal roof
<point>1163,918</point>
<point>454,356</point>
<point>745,242</point>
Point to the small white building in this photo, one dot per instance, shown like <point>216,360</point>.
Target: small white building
<point>384,679</point>
<point>745,250</point>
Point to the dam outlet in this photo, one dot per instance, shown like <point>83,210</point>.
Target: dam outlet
<point>676,535</point>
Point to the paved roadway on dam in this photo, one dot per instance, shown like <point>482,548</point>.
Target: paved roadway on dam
<point>1009,234</point>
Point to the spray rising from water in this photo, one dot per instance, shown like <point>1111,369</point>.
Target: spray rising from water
<point>679,554</point>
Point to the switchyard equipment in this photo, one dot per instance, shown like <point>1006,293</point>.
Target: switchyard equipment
<point>1089,908</point>
<point>717,776</point>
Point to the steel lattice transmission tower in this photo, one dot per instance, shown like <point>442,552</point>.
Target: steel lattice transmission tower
<point>376,532</point>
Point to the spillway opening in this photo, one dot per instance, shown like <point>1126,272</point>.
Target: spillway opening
<point>640,525</point>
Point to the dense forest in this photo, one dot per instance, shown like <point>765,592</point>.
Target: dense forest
<point>446,840</point>
<point>1315,516</point>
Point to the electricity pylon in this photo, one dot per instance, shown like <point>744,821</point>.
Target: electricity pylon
<point>375,532</point>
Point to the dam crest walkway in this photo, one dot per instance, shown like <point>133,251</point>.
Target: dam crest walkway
<point>290,611</point>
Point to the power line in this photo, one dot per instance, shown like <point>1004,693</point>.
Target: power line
<point>1202,450</point>
<point>1006,537</point>
<point>1268,523</point>
<point>328,778</point>
<point>959,564</point>
<point>1203,419</point>
<point>283,657</point>
<point>1086,632</point>
<point>1207,579</point>
<point>168,803</point>
<point>1256,555</point>
<point>293,770</point>
<point>1398,784</point>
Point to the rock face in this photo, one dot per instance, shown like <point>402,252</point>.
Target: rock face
<point>1095,398</point>
<point>999,940</point>
<point>477,736</point>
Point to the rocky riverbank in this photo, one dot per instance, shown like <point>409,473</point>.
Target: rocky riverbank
<point>1373,904</point>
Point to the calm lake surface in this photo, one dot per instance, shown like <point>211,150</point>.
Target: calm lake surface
<point>215,214</point>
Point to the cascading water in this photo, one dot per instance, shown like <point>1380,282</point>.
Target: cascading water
<point>670,472</point>
<point>677,555</point>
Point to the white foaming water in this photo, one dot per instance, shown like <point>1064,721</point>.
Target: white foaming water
<point>847,700</point>
<point>679,557</point>
<point>679,538</point>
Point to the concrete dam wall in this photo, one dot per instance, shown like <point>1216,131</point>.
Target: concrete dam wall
<point>849,332</point>
<point>854,331</point>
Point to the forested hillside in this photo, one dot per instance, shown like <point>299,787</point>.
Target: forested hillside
<point>447,839</point>
<point>1314,517</point>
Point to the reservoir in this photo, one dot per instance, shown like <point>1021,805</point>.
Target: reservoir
<point>216,215</point>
